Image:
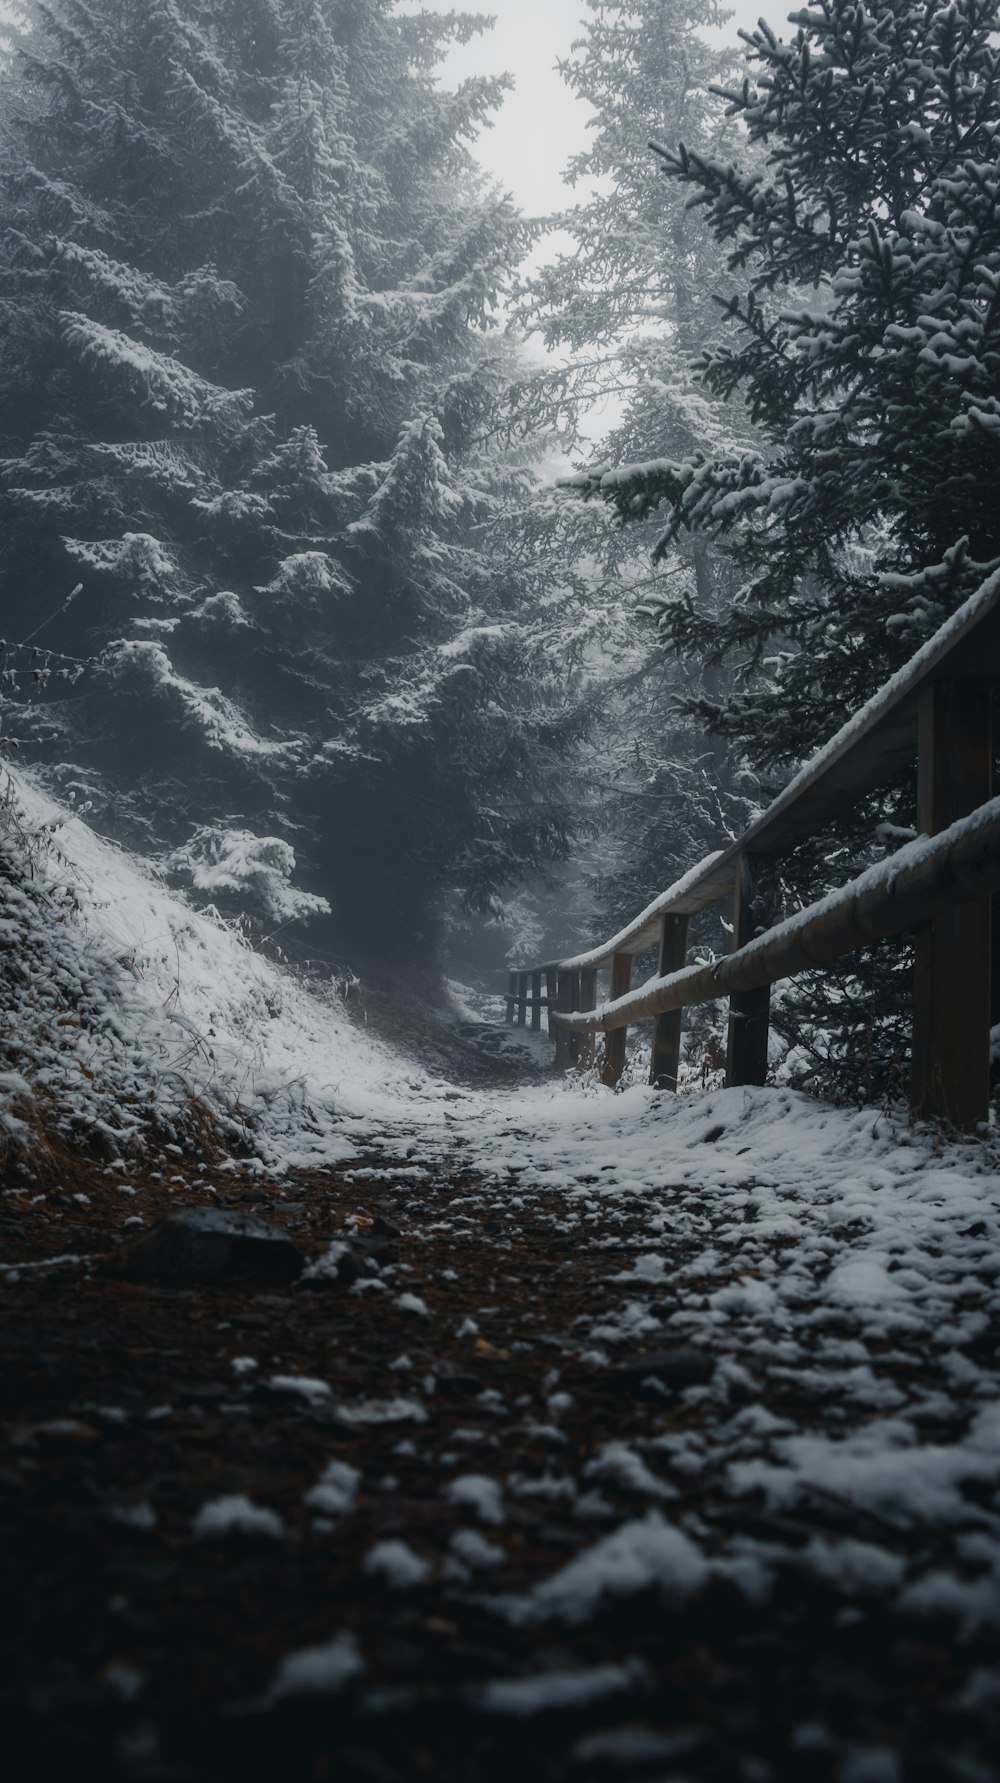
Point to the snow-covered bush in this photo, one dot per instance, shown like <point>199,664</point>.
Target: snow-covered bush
<point>255,871</point>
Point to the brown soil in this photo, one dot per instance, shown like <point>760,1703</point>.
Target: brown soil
<point>140,1652</point>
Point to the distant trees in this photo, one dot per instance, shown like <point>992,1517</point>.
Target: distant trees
<point>628,305</point>
<point>863,335</point>
<point>249,277</point>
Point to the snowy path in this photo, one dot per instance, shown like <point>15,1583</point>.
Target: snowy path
<point>655,1439</point>
<point>608,1435</point>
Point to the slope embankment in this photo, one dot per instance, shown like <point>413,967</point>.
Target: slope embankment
<point>454,1433</point>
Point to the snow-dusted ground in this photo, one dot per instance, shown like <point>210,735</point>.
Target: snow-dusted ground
<point>830,1255</point>
<point>838,1270</point>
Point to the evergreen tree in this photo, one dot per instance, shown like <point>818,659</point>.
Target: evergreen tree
<point>867,515</point>
<point>633,292</point>
<point>630,303</point>
<point>250,278</point>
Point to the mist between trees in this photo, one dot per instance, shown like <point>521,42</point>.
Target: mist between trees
<point>338,655</point>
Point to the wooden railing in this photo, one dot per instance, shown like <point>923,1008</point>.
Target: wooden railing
<point>937,709</point>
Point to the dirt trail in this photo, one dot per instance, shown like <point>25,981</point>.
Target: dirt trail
<point>135,1648</point>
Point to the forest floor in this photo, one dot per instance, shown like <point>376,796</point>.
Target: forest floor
<point>493,1507</point>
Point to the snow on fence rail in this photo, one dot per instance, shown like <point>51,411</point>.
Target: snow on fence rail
<point>936,708</point>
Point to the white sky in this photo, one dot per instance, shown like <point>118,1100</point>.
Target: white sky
<point>542,125</point>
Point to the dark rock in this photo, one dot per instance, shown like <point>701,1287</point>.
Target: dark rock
<point>209,1244</point>
<point>665,1370</point>
<point>455,1383</point>
<point>374,1246</point>
<point>350,1266</point>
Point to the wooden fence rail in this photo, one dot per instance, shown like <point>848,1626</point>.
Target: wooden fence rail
<point>936,709</point>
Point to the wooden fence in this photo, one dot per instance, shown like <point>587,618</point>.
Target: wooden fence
<point>936,709</point>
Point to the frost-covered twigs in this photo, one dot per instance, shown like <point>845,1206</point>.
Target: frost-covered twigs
<point>27,669</point>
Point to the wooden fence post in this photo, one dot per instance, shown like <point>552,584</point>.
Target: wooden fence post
<point>511,995</point>
<point>574,1003</point>
<point>522,999</point>
<point>613,1063</point>
<point>588,1000</point>
<point>951,992</point>
<point>667,1028</point>
<point>552,996</point>
<point>564,1004</point>
<point>749,1011</point>
<point>536,1002</point>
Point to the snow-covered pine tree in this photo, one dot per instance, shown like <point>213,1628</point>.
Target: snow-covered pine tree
<point>250,278</point>
<point>624,309</point>
<point>868,515</point>
<point>636,281</point>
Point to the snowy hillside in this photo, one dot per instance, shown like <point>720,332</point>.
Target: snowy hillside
<point>130,1019</point>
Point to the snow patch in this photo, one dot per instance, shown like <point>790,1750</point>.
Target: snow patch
<point>640,1556</point>
<point>547,1691</point>
<point>477,1492</point>
<point>235,1514</point>
<point>317,1671</point>
<point>397,1565</point>
<point>334,1492</point>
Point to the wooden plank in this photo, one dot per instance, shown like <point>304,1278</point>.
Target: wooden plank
<point>536,1002</point>
<point>667,1028</point>
<point>522,999</point>
<point>951,992</point>
<point>613,1062</point>
<point>898,895</point>
<point>749,1011</point>
<point>511,995</point>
